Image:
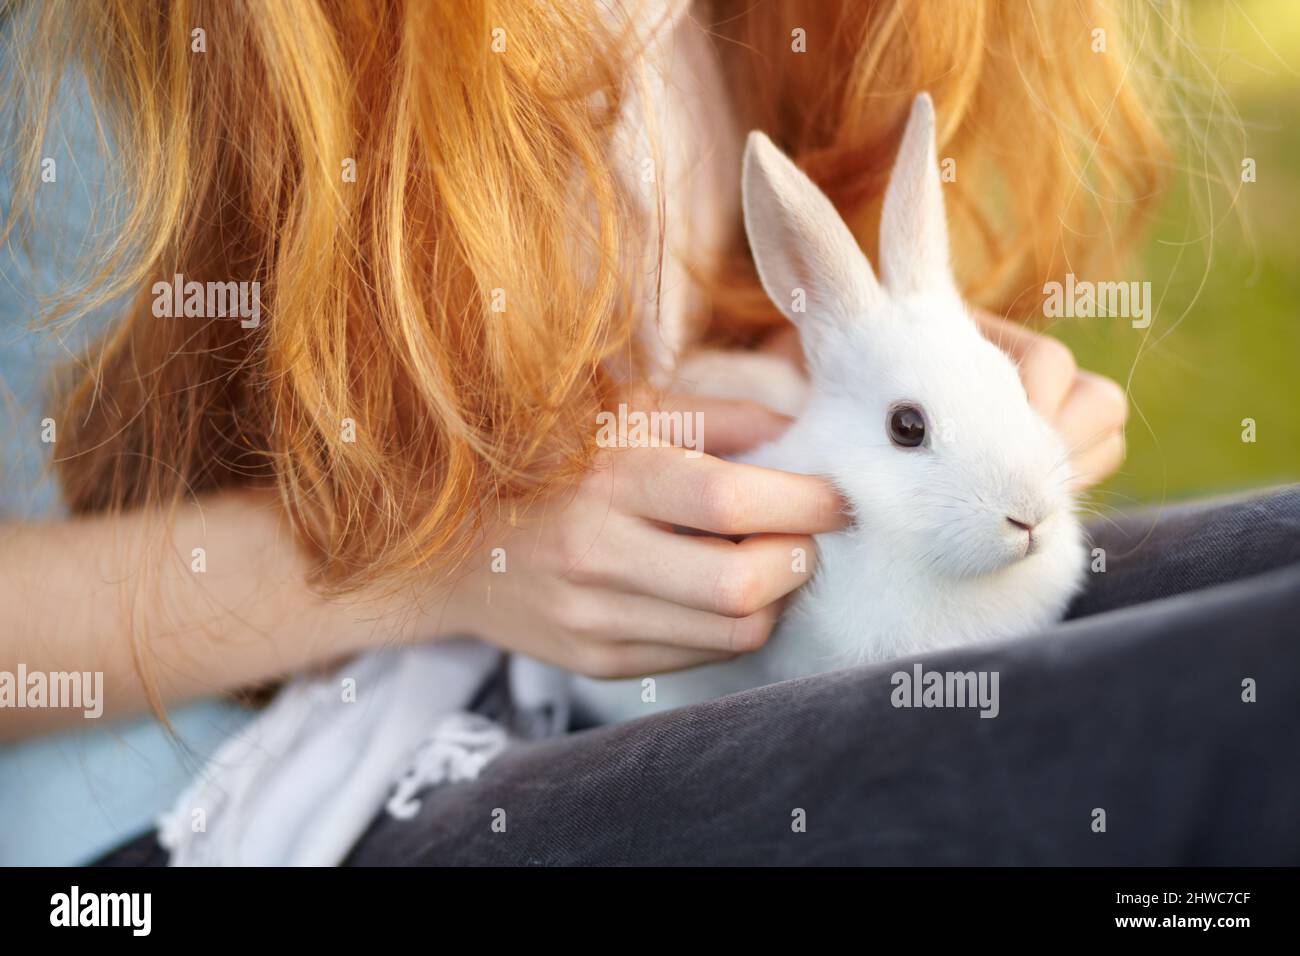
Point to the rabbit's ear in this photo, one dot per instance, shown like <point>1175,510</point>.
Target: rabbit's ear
<point>913,230</point>
<point>807,259</point>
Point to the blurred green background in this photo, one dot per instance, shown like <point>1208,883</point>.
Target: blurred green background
<point>1224,342</point>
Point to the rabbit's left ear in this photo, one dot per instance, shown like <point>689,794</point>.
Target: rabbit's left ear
<point>913,228</point>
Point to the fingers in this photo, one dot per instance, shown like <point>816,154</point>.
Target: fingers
<point>1086,409</point>
<point>1095,409</point>
<point>1047,366</point>
<point>611,661</point>
<point>712,574</point>
<point>615,618</point>
<point>1098,462</point>
<point>723,497</point>
<point>720,427</point>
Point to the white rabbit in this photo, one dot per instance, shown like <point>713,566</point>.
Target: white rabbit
<point>962,519</point>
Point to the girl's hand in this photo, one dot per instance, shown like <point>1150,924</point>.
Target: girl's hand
<point>595,580</point>
<point>1087,410</point>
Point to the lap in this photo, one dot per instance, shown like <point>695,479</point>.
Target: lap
<point>1138,712</point>
<point>1134,706</point>
<point>1153,553</point>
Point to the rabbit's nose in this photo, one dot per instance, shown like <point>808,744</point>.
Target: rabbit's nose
<point>1031,543</point>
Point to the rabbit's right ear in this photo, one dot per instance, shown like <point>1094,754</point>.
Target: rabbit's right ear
<point>808,261</point>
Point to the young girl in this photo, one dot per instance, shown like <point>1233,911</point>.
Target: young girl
<point>467,228</point>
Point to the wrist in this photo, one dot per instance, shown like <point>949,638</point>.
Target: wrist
<point>383,615</point>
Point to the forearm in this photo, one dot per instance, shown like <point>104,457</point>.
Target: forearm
<point>101,594</point>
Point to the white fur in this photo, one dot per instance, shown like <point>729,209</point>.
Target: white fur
<point>930,560</point>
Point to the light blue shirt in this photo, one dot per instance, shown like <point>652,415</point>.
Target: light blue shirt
<point>69,798</point>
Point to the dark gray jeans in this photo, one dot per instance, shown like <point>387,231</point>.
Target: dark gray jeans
<point>1122,737</point>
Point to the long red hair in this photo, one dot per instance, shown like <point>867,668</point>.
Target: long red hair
<point>483,175</point>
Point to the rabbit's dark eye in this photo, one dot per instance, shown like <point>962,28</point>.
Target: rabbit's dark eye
<point>906,426</point>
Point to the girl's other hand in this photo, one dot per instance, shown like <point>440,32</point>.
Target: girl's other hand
<point>1087,410</point>
<point>596,580</point>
